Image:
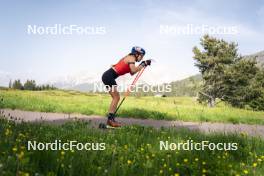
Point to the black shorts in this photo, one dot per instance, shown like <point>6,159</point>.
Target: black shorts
<point>109,77</point>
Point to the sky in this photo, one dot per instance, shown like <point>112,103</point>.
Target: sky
<point>47,58</point>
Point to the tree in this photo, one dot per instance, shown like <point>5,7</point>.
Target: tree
<point>30,85</point>
<point>258,84</point>
<point>228,76</point>
<point>240,84</point>
<point>212,62</point>
<point>10,84</point>
<point>17,85</point>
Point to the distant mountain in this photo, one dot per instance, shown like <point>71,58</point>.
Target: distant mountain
<point>86,82</point>
<point>82,81</point>
<point>84,87</point>
<point>259,57</point>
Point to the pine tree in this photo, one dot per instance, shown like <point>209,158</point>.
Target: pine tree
<point>10,84</point>
<point>228,76</point>
<point>17,85</point>
<point>239,82</point>
<point>212,62</point>
<point>30,85</point>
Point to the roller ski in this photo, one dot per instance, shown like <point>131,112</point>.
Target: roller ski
<point>111,123</point>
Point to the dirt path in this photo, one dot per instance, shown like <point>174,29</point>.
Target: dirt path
<point>58,118</point>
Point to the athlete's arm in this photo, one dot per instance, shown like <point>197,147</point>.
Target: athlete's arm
<point>131,61</point>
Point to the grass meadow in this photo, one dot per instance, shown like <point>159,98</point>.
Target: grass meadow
<point>132,150</point>
<point>170,108</point>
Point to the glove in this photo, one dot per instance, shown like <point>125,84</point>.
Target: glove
<point>145,63</point>
<point>148,62</point>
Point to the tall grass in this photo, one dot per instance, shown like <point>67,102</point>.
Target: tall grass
<point>170,108</point>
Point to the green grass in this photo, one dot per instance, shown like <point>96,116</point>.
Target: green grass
<point>130,150</point>
<point>171,108</point>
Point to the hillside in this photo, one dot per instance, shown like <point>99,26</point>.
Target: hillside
<point>259,57</point>
<point>186,87</point>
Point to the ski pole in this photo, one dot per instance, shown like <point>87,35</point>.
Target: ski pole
<point>127,92</point>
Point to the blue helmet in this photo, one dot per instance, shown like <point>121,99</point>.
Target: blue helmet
<point>137,49</point>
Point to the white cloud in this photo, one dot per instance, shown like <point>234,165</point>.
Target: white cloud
<point>4,78</point>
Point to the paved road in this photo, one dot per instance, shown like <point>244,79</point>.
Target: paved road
<point>58,118</point>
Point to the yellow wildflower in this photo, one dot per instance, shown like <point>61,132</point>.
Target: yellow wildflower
<point>147,156</point>
<point>14,149</point>
<point>21,154</point>
<point>7,132</point>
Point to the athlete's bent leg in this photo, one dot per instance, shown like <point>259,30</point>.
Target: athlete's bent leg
<point>115,99</point>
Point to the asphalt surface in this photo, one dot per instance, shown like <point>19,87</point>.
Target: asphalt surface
<point>207,127</point>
